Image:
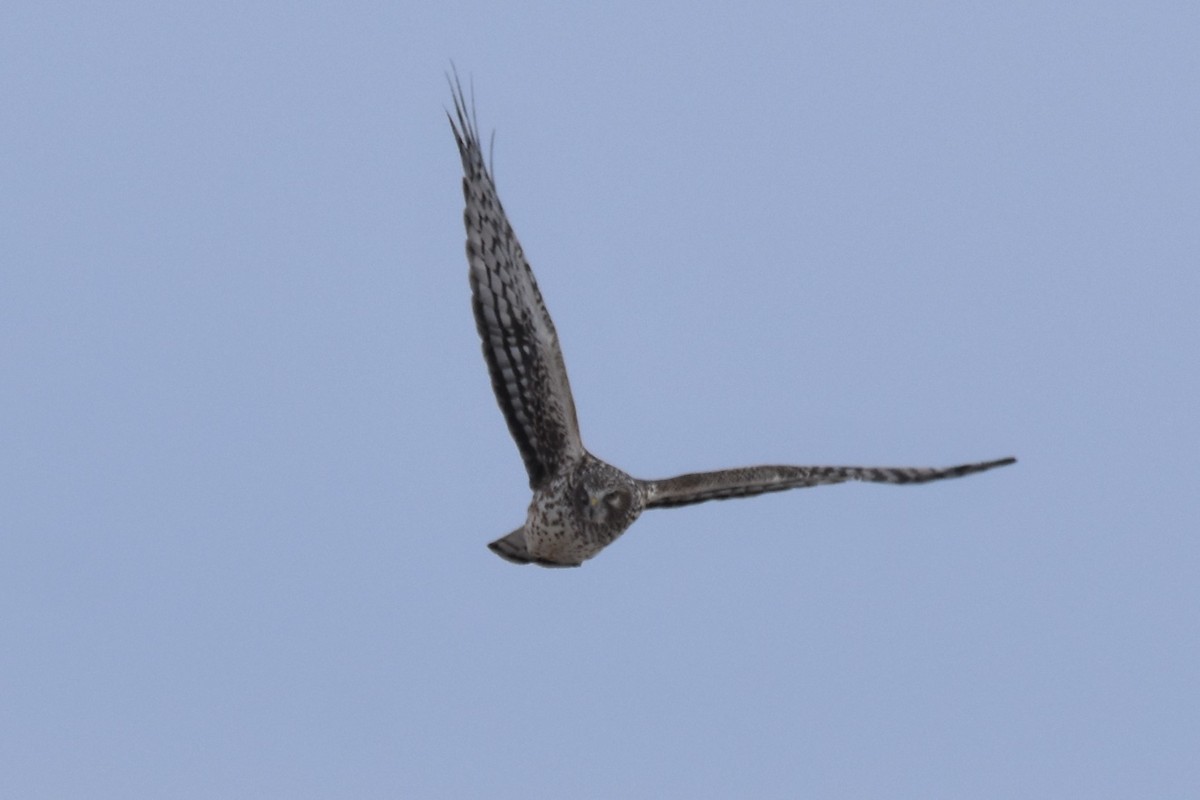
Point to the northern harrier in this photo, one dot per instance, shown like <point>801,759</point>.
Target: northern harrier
<point>580,503</point>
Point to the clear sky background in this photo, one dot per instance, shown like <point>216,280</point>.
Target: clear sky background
<point>250,457</point>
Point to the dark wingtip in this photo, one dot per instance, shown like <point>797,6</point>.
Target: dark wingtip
<point>984,466</point>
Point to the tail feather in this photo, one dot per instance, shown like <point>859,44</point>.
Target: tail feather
<point>513,548</point>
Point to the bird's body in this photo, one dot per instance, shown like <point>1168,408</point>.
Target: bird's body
<point>575,515</point>
<point>581,504</point>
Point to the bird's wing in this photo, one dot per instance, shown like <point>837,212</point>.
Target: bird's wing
<point>519,341</point>
<point>701,486</point>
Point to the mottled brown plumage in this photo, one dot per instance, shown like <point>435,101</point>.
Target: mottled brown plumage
<point>581,504</point>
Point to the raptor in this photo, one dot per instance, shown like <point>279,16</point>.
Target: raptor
<point>582,504</point>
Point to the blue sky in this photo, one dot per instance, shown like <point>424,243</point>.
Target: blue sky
<point>249,456</point>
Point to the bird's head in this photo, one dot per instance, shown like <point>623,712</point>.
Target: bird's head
<point>606,496</point>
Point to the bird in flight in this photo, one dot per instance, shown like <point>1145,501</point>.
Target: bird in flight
<point>582,504</point>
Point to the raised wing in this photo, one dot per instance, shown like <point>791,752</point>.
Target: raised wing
<point>701,486</point>
<point>519,341</point>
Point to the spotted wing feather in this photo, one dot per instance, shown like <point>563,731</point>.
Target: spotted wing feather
<point>519,341</point>
<point>699,487</point>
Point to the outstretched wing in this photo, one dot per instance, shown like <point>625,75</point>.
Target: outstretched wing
<point>519,341</point>
<point>701,486</point>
